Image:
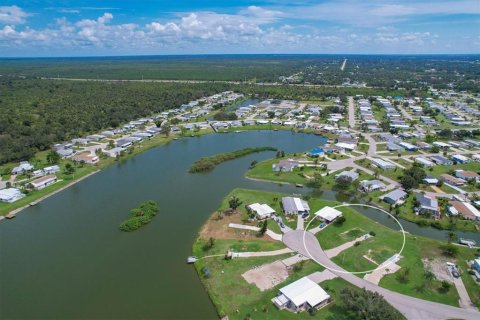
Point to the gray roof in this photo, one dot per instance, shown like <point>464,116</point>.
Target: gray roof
<point>427,202</point>
<point>291,204</point>
<point>396,195</point>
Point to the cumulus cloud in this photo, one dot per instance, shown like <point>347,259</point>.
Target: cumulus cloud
<point>253,29</point>
<point>12,15</point>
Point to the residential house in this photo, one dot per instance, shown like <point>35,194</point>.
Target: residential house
<point>395,196</point>
<point>295,206</point>
<point>452,180</point>
<point>430,181</point>
<point>393,147</point>
<point>346,146</point>
<point>24,166</point>
<point>428,204</point>
<point>86,157</point>
<point>423,145</point>
<point>460,158</point>
<point>123,143</point>
<point>303,294</point>
<point>350,174</point>
<point>51,169</point>
<point>467,175</point>
<point>441,160</point>
<point>42,182</point>
<point>328,214</point>
<point>113,152</point>
<point>10,195</point>
<point>63,153</point>
<point>285,165</point>
<point>382,164</point>
<point>441,145</point>
<point>407,146</point>
<point>372,185</point>
<point>262,211</point>
<point>466,209</point>
<point>424,162</point>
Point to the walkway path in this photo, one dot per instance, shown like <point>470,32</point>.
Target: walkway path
<point>464,301</point>
<point>300,222</point>
<point>337,250</point>
<point>382,270</point>
<point>321,276</point>
<point>270,233</point>
<point>412,308</point>
<point>261,253</point>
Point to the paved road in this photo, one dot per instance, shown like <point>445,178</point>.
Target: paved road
<point>412,308</point>
<point>351,112</point>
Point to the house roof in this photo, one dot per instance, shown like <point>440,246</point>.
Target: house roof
<point>304,290</point>
<point>352,174</point>
<point>10,193</point>
<point>427,202</point>
<point>294,204</point>
<point>368,183</point>
<point>262,210</point>
<point>328,213</point>
<point>396,194</point>
<point>465,208</point>
<point>43,180</point>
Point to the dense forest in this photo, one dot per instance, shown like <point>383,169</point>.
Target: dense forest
<point>389,71</point>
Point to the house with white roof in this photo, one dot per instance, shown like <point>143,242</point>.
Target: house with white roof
<point>303,294</point>
<point>328,214</point>
<point>372,185</point>
<point>460,158</point>
<point>10,195</point>
<point>262,211</point>
<point>24,166</point>
<point>424,162</point>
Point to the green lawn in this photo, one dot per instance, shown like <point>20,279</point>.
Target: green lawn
<point>234,297</point>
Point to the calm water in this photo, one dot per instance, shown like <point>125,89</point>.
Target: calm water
<point>66,258</point>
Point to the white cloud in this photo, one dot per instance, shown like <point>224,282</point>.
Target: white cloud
<point>12,15</point>
<point>253,29</point>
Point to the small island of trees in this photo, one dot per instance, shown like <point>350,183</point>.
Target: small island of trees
<point>208,163</point>
<point>140,216</point>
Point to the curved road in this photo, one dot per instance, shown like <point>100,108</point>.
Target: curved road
<point>412,308</point>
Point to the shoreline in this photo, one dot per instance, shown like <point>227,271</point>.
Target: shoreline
<point>14,212</point>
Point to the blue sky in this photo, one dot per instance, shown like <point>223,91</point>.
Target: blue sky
<point>86,28</point>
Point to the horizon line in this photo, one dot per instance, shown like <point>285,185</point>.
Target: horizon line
<point>239,54</point>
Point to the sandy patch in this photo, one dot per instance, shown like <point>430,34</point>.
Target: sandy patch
<point>267,276</point>
<point>218,228</point>
<point>439,268</point>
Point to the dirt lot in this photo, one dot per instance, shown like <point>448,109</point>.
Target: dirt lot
<point>218,228</point>
<point>267,276</point>
<point>438,268</point>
